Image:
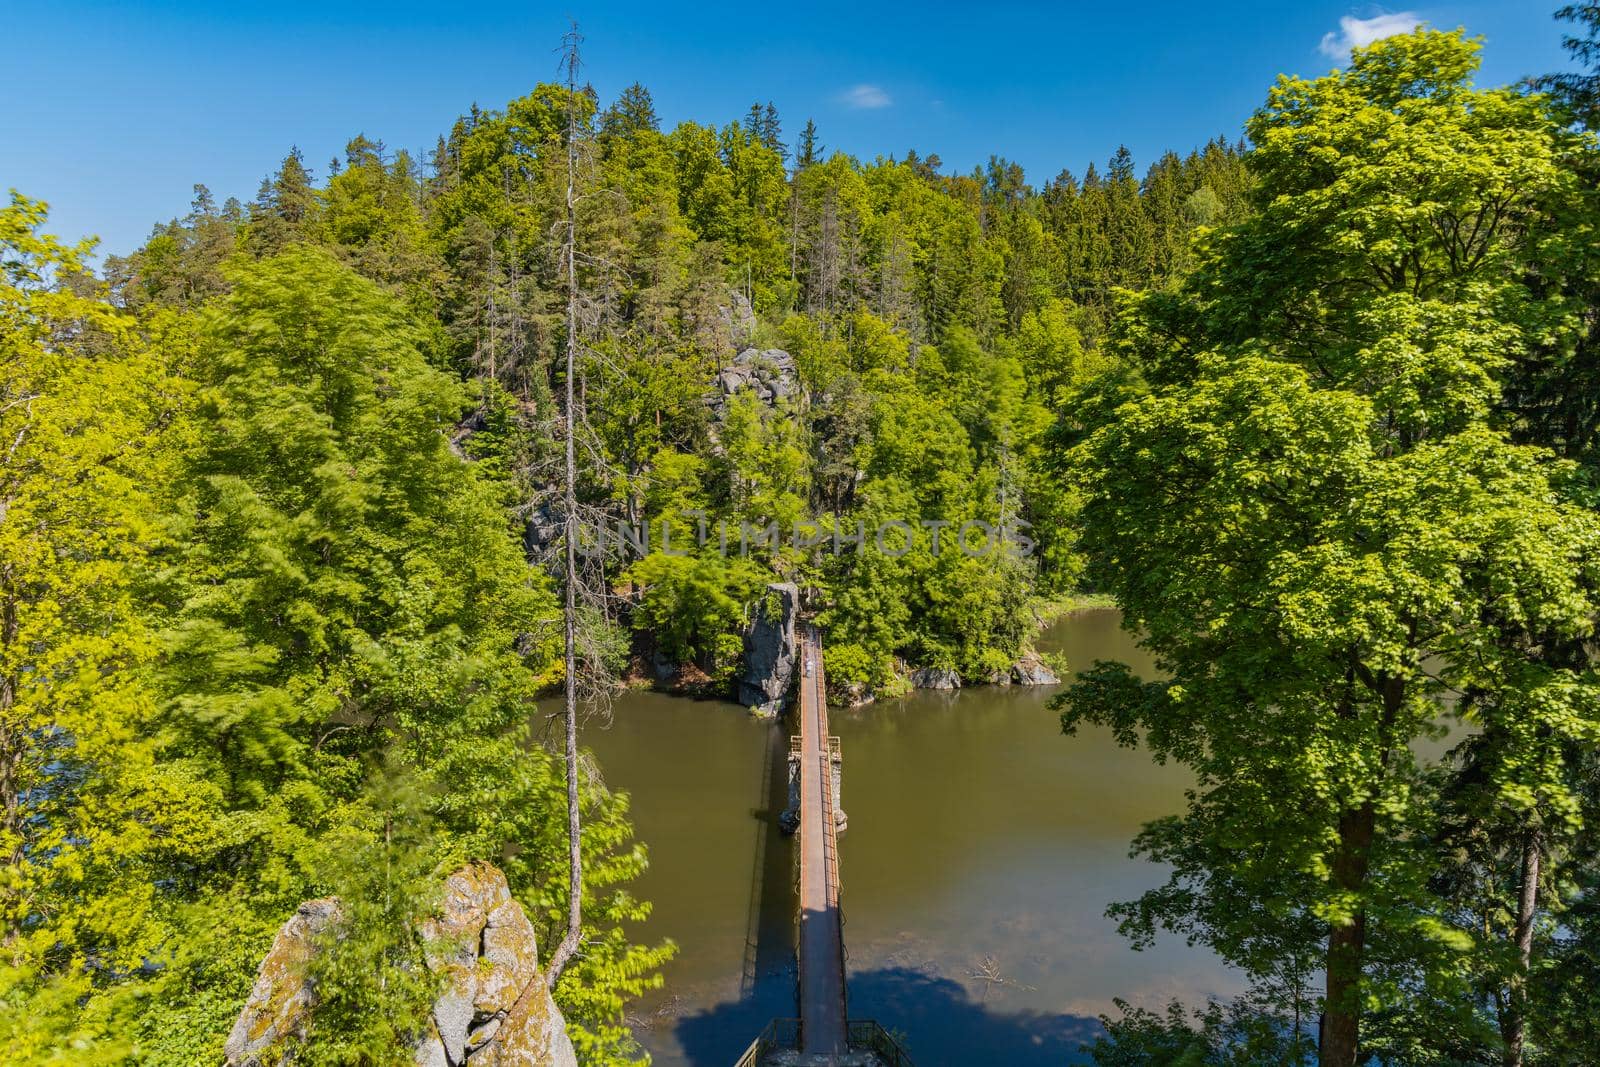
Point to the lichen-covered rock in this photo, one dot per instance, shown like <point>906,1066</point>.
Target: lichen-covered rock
<point>486,946</point>
<point>771,650</point>
<point>511,952</point>
<point>531,1034</point>
<point>1031,670</point>
<point>494,1010</point>
<point>935,678</point>
<point>274,1017</point>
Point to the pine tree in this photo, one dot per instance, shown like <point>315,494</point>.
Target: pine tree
<point>286,204</point>
<point>810,151</point>
<point>633,113</point>
<point>772,131</point>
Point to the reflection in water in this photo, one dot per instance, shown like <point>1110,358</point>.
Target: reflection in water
<point>982,851</point>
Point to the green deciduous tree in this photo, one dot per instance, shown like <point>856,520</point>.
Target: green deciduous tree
<point>84,809</point>
<point>1313,520</point>
<point>267,637</point>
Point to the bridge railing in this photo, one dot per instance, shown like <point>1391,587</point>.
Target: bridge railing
<point>779,1034</point>
<point>863,1035</point>
<point>866,1034</point>
<point>830,835</point>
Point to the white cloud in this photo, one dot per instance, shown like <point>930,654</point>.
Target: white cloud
<point>1358,33</point>
<point>865,97</point>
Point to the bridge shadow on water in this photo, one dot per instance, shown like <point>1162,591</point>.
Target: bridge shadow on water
<point>767,987</point>
<point>769,960</point>
<point>936,1019</point>
<point>938,1023</point>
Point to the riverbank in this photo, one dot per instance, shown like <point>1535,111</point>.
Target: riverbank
<point>857,684</point>
<point>1051,609</point>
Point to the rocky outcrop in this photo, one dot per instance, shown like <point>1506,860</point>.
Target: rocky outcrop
<point>738,320</point>
<point>541,526</point>
<point>771,649</point>
<point>768,372</point>
<point>1031,670</point>
<point>275,1015</point>
<point>494,1011</point>
<point>850,694</point>
<point>935,678</point>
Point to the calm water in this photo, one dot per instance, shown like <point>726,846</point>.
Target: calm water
<point>982,851</point>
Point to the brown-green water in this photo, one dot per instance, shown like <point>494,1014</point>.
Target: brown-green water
<point>982,851</point>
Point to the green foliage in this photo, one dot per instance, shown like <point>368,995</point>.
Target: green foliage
<point>267,574</point>
<point>1313,517</point>
<point>694,605</point>
<point>282,558</point>
<point>374,990</point>
<point>86,806</point>
<point>1299,409</point>
<point>1234,1035</point>
<point>967,296</point>
<point>852,663</point>
<point>1579,91</point>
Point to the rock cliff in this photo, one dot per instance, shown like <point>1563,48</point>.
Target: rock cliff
<point>935,678</point>
<point>771,649</point>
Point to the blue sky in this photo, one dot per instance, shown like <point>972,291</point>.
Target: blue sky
<point>113,111</point>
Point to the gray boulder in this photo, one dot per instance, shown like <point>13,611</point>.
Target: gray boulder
<point>771,649</point>
<point>733,379</point>
<point>541,527</point>
<point>935,678</point>
<point>1031,670</point>
<point>278,1009</point>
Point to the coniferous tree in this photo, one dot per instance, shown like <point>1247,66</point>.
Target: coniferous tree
<point>809,152</point>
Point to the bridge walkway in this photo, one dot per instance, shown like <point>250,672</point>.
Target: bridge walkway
<point>822,984</point>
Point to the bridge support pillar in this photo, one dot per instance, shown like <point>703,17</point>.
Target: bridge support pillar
<point>836,764</point>
<point>789,820</point>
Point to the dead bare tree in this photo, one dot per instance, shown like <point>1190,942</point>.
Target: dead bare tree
<point>556,479</point>
<point>570,529</point>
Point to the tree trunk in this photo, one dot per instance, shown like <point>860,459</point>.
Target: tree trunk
<point>569,943</point>
<point>1516,1015</point>
<point>13,739</point>
<point>1341,1021</point>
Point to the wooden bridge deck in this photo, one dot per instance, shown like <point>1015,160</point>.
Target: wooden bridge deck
<point>822,987</point>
